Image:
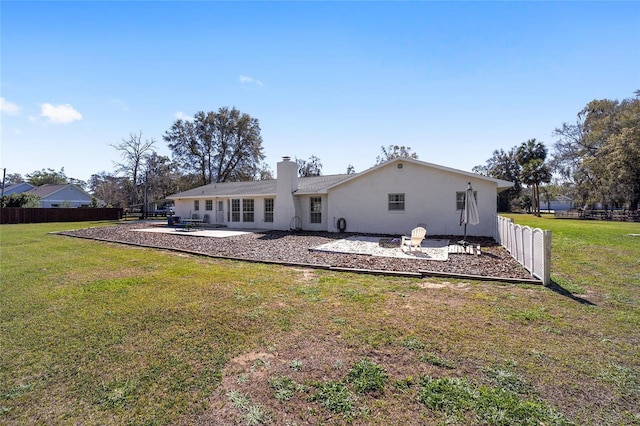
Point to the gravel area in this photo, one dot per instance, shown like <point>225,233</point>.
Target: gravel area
<point>293,248</point>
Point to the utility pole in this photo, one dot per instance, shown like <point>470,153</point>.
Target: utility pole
<point>146,201</point>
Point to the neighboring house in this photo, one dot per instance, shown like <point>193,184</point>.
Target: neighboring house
<point>561,202</point>
<point>390,198</point>
<point>17,188</point>
<point>67,195</point>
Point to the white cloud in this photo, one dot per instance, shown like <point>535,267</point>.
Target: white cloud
<point>245,79</point>
<point>9,108</point>
<point>59,114</point>
<point>182,116</point>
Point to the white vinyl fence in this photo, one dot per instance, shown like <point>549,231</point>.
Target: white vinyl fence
<point>529,246</point>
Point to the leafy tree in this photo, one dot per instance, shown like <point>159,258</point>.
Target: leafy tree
<point>621,154</point>
<point>109,189</point>
<point>51,177</point>
<point>526,203</point>
<point>12,179</point>
<point>600,153</point>
<point>217,146</point>
<point>311,167</point>
<point>504,165</point>
<point>134,152</point>
<point>161,177</point>
<point>395,151</point>
<point>22,199</point>
<point>48,176</point>
<point>549,192</point>
<point>350,169</point>
<point>531,157</point>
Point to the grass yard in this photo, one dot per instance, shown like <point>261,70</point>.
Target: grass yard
<point>97,333</point>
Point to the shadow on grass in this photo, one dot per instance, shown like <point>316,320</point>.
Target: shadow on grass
<point>554,286</point>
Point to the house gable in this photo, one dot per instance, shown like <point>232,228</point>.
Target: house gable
<point>400,162</point>
<point>68,195</point>
<point>396,196</point>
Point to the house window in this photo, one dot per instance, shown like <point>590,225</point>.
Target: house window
<point>316,210</point>
<point>268,209</point>
<point>460,199</point>
<point>396,202</point>
<point>235,210</point>
<point>208,205</point>
<point>247,210</point>
<point>196,205</point>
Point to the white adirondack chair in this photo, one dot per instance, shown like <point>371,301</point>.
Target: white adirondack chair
<point>415,240</point>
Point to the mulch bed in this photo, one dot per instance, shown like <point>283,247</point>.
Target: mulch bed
<point>293,248</point>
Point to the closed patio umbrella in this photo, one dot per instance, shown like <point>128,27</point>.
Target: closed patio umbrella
<point>469,214</point>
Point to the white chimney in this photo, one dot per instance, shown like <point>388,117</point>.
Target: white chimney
<point>286,185</point>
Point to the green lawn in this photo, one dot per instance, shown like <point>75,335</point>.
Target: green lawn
<point>97,333</point>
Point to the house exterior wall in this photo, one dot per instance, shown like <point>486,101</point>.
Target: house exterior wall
<point>184,208</point>
<point>67,197</point>
<point>557,204</point>
<point>304,212</point>
<point>430,199</point>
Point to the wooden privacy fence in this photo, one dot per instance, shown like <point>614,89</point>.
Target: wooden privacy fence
<point>531,247</point>
<point>39,215</point>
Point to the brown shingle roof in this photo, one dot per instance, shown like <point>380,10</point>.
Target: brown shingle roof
<point>46,189</point>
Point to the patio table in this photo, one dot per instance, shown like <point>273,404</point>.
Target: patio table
<point>191,223</point>
<point>389,242</point>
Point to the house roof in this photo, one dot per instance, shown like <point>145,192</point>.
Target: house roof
<point>320,184</point>
<point>221,189</point>
<point>10,189</point>
<point>306,185</point>
<point>311,185</point>
<point>47,190</point>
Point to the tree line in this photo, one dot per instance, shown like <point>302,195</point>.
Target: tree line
<point>221,146</point>
<point>596,159</point>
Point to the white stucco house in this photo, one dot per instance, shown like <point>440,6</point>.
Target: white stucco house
<point>390,198</point>
<point>66,195</point>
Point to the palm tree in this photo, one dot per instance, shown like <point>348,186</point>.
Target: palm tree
<point>531,156</point>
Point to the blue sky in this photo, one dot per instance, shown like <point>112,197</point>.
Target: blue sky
<point>338,80</point>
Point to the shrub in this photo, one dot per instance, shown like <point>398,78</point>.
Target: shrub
<point>462,401</point>
<point>334,396</point>
<point>367,376</point>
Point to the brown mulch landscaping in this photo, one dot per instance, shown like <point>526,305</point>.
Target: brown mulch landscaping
<point>294,248</point>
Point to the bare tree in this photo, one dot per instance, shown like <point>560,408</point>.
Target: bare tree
<point>133,152</point>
